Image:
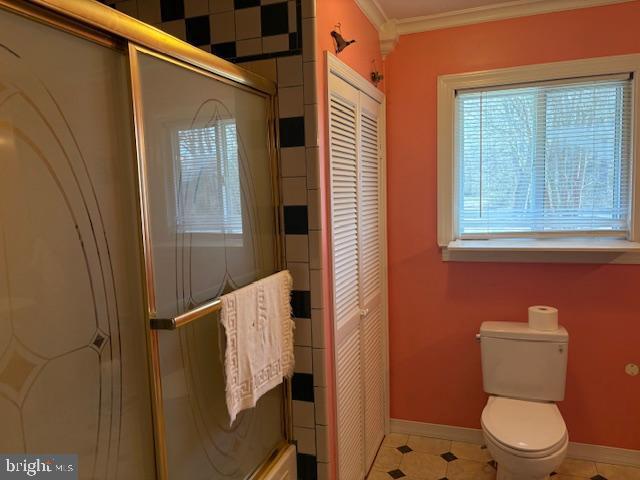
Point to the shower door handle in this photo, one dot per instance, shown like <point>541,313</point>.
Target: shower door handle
<point>187,317</point>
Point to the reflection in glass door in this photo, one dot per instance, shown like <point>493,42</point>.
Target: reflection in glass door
<point>210,210</point>
<point>73,363</point>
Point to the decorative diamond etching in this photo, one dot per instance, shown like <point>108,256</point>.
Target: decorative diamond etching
<point>98,341</point>
<point>18,369</point>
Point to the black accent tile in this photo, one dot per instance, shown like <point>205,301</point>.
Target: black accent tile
<point>171,10</point>
<point>198,32</point>
<point>302,387</point>
<point>265,56</point>
<point>301,303</point>
<point>443,478</point>
<point>397,473</point>
<point>237,4</point>
<point>307,467</point>
<point>552,474</point>
<point>296,220</point>
<point>225,50</point>
<point>293,41</point>
<point>404,449</point>
<point>449,457</point>
<point>292,132</point>
<point>598,477</point>
<point>274,19</point>
<point>493,463</point>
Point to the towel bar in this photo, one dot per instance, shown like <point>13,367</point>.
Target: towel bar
<point>187,317</point>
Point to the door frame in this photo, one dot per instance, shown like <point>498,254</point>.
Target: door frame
<point>336,67</point>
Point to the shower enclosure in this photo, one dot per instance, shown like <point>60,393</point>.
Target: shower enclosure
<point>138,183</point>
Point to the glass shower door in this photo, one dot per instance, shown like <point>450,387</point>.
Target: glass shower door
<point>73,362</point>
<point>211,227</point>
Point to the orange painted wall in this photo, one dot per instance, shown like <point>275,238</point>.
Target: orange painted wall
<point>354,25</point>
<point>436,307</point>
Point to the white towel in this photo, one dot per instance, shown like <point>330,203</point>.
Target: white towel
<point>259,332</point>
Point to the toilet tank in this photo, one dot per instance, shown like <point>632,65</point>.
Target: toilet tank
<point>524,363</point>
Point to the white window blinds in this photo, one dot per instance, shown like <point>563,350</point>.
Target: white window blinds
<point>208,181</point>
<point>552,157</point>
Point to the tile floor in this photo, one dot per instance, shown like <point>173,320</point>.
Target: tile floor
<point>410,457</point>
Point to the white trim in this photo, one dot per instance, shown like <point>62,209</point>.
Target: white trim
<point>447,87</point>
<point>391,29</point>
<point>490,13</point>
<point>339,68</point>
<point>582,451</point>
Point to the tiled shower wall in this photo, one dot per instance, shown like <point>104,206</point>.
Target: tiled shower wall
<point>276,39</point>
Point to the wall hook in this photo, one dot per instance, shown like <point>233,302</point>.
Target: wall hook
<point>339,40</point>
<point>376,76</point>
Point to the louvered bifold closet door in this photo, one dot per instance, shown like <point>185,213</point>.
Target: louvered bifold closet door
<point>343,126</point>
<point>370,273</point>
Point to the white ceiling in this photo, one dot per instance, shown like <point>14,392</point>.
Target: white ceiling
<point>399,9</point>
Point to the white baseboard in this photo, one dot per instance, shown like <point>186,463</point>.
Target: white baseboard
<point>582,451</point>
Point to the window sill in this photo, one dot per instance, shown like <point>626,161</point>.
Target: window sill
<point>544,250</point>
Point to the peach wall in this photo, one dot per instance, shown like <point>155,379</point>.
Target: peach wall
<point>436,307</point>
<point>354,24</point>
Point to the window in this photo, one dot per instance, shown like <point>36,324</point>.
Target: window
<point>536,153</point>
<point>548,158</point>
<point>208,180</point>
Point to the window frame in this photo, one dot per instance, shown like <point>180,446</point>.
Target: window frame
<point>554,247</point>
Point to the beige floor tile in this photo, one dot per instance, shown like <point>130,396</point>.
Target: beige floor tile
<point>423,466</point>
<point>395,440</point>
<point>577,468</point>
<point>388,458</point>
<point>462,469</point>
<point>378,475</point>
<point>470,451</point>
<point>434,446</point>
<point>618,472</point>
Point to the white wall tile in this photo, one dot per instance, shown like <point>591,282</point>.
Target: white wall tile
<point>302,333</point>
<point>196,8</point>
<point>294,191</point>
<point>177,28</point>
<point>324,471</point>
<point>297,248</point>
<point>313,167</point>
<point>267,68</point>
<point>319,371</point>
<point>317,328</point>
<point>311,125</point>
<point>248,23</point>
<point>303,414</point>
<point>309,45</point>
<point>249,46</point>
<point>216,6</point>
<point>290,71</point>
<point>309,74</point>
<point>304,359</point>
<point>275,43</point>
<point>314,249</point>
<point>316,288</point>
<point>308,8</point>
<point>293,162</point>
<point>223,27</point>
<point>306,438</point>
<point>290,102</point>
<point>300,273</point>
<point>313,200</point>
<point>322,443</point>
<point>320,401</point>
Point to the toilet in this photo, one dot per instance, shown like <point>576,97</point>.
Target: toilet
<point>524,372</point>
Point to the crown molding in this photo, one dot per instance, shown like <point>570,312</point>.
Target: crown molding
<point>373,11</point>
<point>391,29</point>
<point>489,13</point>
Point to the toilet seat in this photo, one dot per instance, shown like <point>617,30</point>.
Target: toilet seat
<point>524,428</point>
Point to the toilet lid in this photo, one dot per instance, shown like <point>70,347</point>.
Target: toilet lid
<point>524,425</point>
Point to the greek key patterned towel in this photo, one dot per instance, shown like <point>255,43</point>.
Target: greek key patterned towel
<point>259,332</point>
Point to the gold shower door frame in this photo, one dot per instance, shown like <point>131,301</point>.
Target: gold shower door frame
<point>108,27</point>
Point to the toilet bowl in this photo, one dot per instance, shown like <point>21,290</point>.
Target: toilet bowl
<point>527,439</point>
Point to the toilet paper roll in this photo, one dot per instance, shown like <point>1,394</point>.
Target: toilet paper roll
<point>542,317</point>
